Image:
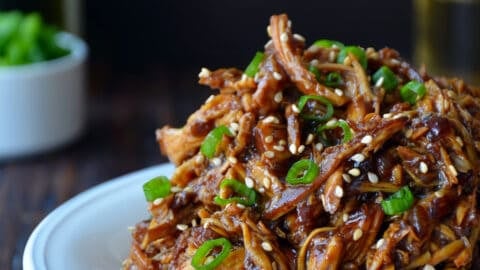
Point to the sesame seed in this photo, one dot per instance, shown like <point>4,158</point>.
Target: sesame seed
<point>379,243</point>
<point>182,227</point>
<point>319,147</point>
<point>359,157</point>
<point>452,170</point>
<point>295,108</point>
<point>299,37</point>
<point>309,139</point>
<point>379,83</point>
<point>194,222</point>
<point>261,190</point>
<point>175,189</point>
<point>266,182</point>
<point>301,148</point>
<point>338,191</point>
<point>338,92</point>
<point>331,122</point>
<point>387,115</point>
<point>249,182</point>
<point>209,98</point>
<point>271,119</point>
<point>345,217</point>
<point>459,140</point>
<point>204,72</point>
<point>314,62</point>
<point>269,154</point>
<point>438,194</point>
<point>292,148</point>
<point>346,178</point>
<point>428,267</point>
<point>289,24</point>
<point>331,56</point>
<point>395,61</point>
<point>347,61</point>
<point>423,167</point>
<point>234,126</point>
<point>277,76</point>
<point>278,97</point>
<point>244,77</point>
<point>284,37</point>
<point>408,133</point>
<point>354,172</point>
<point>372,177</point>
<point>396,116</point>
<point>357,234</point>
<point>232,160</point>
<point>269,31</point>
<point>367,139</point>
<point>199,159</point>
<point>269,139</point>
<point>216,161</point>
<point>282,142</point>
<point>157,201</point>
<point>188,189</point>
<point>266,246</point>
<point>279,148</point>
<point>241,206</point>
<point>268,43</point>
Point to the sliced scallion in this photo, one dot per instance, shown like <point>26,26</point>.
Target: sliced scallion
<point>347,132</point>
<point>303,101</point>
<point>333,79</point>
<point>202,253</point>
<point>355,50</point>
<point>327,43</point>
<point>213,138</point>
<point>158,187</point>
<point>398,202</point>
<point>412,92</point>
<point>389,81</point>
<point>303,171</point>
<point>248,195</point>
<point>254,65</point>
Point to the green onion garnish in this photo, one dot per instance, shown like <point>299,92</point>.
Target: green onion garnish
<point>389,81</point>
<point>333,79</point>
<point>327,43</point>
<point>303,101</point>
<point>355,50</point>
<point>347,132</point>
<point>202,253</point>
<point>412,92</point>
<point>157,187</point>
<point>209,145</point>
<point>303,171</point>
<point>398,202</point>
<point>249,196</point>
<point>313,69</point>
<point>254,65</point>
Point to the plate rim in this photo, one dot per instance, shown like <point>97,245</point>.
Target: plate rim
<point>32,258</point>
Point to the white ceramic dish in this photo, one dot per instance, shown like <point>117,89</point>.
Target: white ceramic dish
<point>90,230</point>
<point>42,105</point>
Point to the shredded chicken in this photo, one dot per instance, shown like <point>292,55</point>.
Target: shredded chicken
<point>374,143</point>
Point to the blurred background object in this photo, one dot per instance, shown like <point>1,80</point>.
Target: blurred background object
<point>447,37</point>
<point>144,59</point>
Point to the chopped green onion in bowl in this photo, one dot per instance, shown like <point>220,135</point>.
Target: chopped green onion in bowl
<point>25,39</point>
<point>303,171</point>
<point>398,202</point>
<point>199,259</point>
<point>210,143</point>
<point>327,43</point>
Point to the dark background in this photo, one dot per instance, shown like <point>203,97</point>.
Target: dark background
<point>143,66</point>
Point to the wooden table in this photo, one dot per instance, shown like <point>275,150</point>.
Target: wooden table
<point>119,139</point>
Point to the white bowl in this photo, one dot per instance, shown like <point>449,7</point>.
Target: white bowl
<point>42,105</point>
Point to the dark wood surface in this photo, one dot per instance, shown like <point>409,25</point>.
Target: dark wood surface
<point>119,138</point>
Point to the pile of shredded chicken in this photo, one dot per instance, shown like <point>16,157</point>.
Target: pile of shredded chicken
<point>337,220</point>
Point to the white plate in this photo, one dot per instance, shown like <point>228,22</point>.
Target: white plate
<point>90,230</point>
